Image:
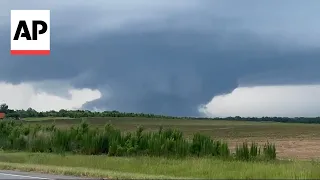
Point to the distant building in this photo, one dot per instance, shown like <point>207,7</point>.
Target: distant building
<point>2,115</point>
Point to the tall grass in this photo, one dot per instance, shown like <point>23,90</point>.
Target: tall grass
<point>82,139</point>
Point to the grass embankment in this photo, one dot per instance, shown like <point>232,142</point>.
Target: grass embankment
<point>157,167</point>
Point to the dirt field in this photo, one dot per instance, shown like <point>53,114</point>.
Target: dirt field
<point>293,141</point>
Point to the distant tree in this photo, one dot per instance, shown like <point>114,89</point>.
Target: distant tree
<point>15,115</point>
<point>31,112</point>
<point>4,108</point>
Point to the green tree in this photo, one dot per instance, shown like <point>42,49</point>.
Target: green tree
<point>4,108</point>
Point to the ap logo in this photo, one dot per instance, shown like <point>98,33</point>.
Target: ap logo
<point>30,32</point>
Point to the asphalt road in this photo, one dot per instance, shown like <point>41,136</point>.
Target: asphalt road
<point>4,174</point>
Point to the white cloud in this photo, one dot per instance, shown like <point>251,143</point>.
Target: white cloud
<point>289,101</point>
<point>25,95</point>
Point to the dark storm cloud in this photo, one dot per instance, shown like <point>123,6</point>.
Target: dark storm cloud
<point>170,67</point>
<point>166,72</point>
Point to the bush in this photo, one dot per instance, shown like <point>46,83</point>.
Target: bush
<point>82,139</point>
<point>269,151</point>
<point>242,152</point>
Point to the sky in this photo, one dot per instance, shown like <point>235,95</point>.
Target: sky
<point>183,58</point>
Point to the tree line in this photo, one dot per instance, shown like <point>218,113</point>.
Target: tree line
<point>17,114</point>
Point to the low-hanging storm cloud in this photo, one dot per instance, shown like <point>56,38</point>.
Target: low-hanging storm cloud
<point>170,57</point>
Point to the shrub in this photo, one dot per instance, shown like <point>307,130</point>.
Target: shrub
<point>269,151</point>
<point>82,139</point>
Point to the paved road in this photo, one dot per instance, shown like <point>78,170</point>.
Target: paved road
<point>4,174</point>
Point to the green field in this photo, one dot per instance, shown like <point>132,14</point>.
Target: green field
<point>152,167</point>
<point>215,128</point>
<point>293,141</point>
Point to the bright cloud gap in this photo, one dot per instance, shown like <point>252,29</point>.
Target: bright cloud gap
<point>259,101</point>
<point>25,95</point>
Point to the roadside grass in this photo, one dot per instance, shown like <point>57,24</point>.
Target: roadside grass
<point>77,171</point>
<point>155,167</point>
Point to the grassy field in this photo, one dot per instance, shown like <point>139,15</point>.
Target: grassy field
<point>151,167</point>
<point>45,118</point>
<point>214,128</point>
<point>298,145</point>
<point>293,140</point>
